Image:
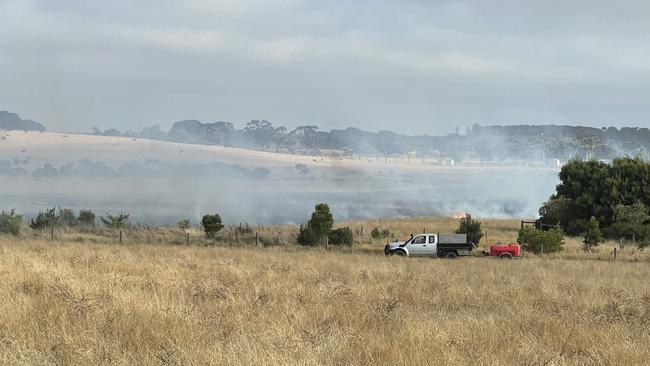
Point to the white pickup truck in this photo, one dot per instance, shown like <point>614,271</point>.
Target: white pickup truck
<point>431,245</point>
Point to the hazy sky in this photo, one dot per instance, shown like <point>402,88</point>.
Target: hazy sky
<point>410,66</point>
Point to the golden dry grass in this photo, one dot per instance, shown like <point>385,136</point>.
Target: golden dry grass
<point>91,303</point>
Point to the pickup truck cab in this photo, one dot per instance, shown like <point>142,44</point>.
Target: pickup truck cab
<point>431,245</point>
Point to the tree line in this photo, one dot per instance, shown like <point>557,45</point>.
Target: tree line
<point>524,143</point>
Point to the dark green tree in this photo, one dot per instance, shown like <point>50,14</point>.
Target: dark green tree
<point>318,226</point>
<point>630,221</point>
<point>472,228</point>
<point>554,211</point>
<point>212,224</point>
<point>593,188</point>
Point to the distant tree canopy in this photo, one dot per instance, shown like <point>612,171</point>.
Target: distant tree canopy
<point>617,195</point>
<point>86,217</point>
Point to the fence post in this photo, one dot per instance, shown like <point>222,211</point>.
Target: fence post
<point>257,239</point>
<point>615,253</point>
<point>361,231</point>
<point>187,238</point>
<point>120,236</point>
<point>52,233</point>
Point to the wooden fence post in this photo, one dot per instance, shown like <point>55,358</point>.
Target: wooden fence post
<point>52,233</point>
<point>120,236</point>
<point>187,238</point>
<point>615,253</point>
<point>257,239</point>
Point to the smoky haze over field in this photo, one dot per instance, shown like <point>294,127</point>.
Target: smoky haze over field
<point>415,67</point>
<point>162,182</point>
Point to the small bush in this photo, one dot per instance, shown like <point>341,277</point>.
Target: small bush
<point>341,236</point>
<point>377,234</point>
<point>184,224</point>
<point>86,217</point>
<point>212,224</point>
<point>593,236</point>
<point>10,223</point>
<point>115,221</point>
<point>306,236</point>
<point>46,219</point>
<point>534,240</point>
<point>470,227</point>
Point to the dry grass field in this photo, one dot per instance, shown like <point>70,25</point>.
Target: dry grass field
<point>81,300</point>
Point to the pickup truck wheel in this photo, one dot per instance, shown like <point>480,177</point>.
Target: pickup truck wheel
<point>505,256</point>
<point>451,255</point>
<point>401,253</point>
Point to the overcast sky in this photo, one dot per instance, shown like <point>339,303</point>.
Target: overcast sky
<point>410,66</point>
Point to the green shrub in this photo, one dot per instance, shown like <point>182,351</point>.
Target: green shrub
<point>212,224</point>
<point>534,240</point>
<point>46,219</point>
<point>470,227</point>
<point>306,236</point>
<point>10,223</point>
<point>593,236</point>
<point>377,234</point>
<point>86,217</point>
<point>341,236</point>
